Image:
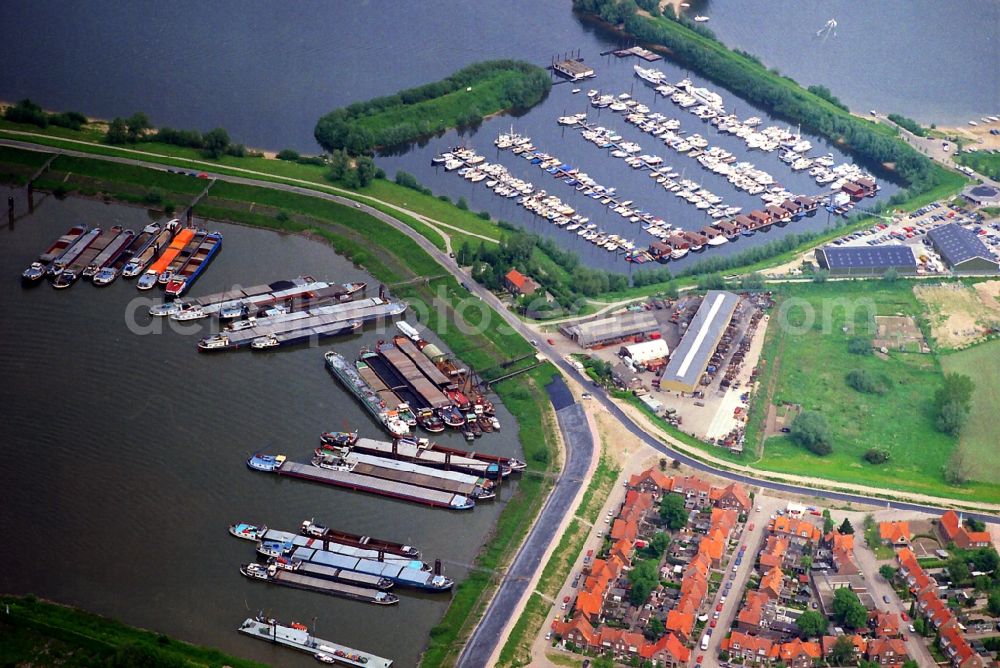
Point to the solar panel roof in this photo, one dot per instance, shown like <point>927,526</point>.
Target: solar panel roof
<point>957,244</point>
<point>866,257</point>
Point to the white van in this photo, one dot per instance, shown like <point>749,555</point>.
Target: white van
<point>704,642</point>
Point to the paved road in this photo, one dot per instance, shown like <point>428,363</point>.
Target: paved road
<point>579,449</point>
<point>915,646</point>
<point>754,540</point>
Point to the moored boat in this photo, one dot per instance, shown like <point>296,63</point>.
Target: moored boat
<point>147,247</point>
<point>59,264</point>
<point>310,528</point>
<point>266,463</point>
<point>151,276</point>
<point>185,277</point>
<point>36,271</point>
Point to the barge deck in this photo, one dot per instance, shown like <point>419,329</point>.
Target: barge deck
<point>297,637</point>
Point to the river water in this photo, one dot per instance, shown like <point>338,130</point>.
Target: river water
<point>124,453</point>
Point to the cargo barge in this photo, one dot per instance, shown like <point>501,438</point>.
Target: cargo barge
<point>113,268</point>
<point>70,255</point>
<point>456,482</point>
<point>297,293</point>
<point>331,573</point>
<point>72,273</point>
<point>293,327</point>
<point>309,528</point>
<point>348,375</point>
<point>149,247</point>
<point>430,394</point>
<point>404,574</point>
<point>420,451</point>
<point>296,636</point>
<point>349,480</point>
<point>182,257</point>
<point>148,280</point>
<point>280,542</point>
<point>274,575</point>
<point>186,276</point>
<point>402,408</point>
<point>110,254</point>
<point>36,271</point>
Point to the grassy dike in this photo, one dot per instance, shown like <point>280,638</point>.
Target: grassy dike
<point>38,633</point>
<point>395,259</point>
<point>517,650</point>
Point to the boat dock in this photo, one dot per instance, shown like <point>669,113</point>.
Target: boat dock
<point>373,485</point>
<point>573,69</point>
<point>420,452</point>
<point>274,575</point>
<point>297,637</point>
<point>405,574</point>
<point>636,51</point>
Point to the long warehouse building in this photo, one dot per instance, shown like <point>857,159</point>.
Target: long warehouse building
<point>690,359</point>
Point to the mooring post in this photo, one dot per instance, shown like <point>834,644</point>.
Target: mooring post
<point>10,210</point>
<point>31,197</point>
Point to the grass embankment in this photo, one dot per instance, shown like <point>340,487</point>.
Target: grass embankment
<point>463,98</point>
<point>37,633</point>
<point>458,223</point>
<point>517,650</point>
<point>984,163</point>
<point>474,332</point>
<point>18,166</point>
<point>812,361</point>
<point>978,439</point>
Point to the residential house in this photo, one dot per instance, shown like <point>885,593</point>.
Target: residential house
<point>885,624</point>
<point>734,497</point>
<point>887,651</point>
<point>953,531</point>
<point>894,534</point>
<point>800,654</point>
<point>518,284</point>
<point>773,583</point>
<point>860,645</point>
<point>749,649</point>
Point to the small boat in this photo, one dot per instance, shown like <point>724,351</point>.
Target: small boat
<point>701,19</point>
<point>36,271</point>
<point>246,531</point>
<point>147,281</point>
<point>264,342</point>
<point>339,438</point>
<point>266,463</point>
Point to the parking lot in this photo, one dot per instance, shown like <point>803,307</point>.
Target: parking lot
<point>911,229</point>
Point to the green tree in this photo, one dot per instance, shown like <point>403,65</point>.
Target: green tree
<point>643,579</point>
<point>993,603</point>
<point>958,571</point>
<point>656,628</point>
<point>920,626</point>
<point>117,132</point>
<point>673,512</point>
<point>846,527</point>
<point>365,168</point>
<point>842,653</point>
<point>339,165</point>
<point>216,142</point>
<point>820,276</point>
<point>848,609</point>
<point>859,346</point>
<point>887,572</point>
<point>910,663</point>
<point>811,624</point>
<point>464,256</point>
<point>986,559</point>
<point>956,471</point>
<point>137,124</point>
<point>288,154</point>
<point>865,381</point>
<point>890,275</point>
<point>951,418</point>
<point>806,562</point>
<point>810,429</point>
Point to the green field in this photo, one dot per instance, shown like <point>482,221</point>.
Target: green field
<point>37,633</point>
<point>811,366</point>
<point>979,436</point>
<point>982,162</point>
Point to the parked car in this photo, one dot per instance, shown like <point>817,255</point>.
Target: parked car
<point>885,599</point>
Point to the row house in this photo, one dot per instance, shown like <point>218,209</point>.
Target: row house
<point>859,643</point>
<point>887,651</point>
<point>668,651</point>
<point>797,531</point>
<point>697,492</point>
<point>799,654</point>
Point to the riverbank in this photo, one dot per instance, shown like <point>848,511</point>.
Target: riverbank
<point>462,99</point>
<point>38,632</point>
<point>413,275</point>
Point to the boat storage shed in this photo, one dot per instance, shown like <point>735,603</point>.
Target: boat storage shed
<point>866,260</point>
<point>611,330</point>
<point>962,250</point>
<point>692,354</point>
<point>646,351</point>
